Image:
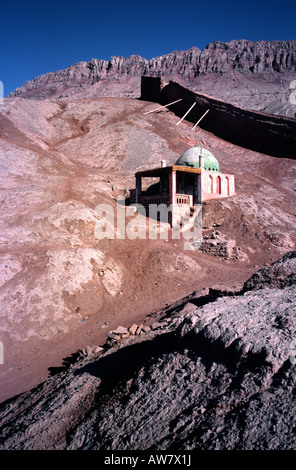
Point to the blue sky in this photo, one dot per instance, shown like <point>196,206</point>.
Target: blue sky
<point>39,36</point>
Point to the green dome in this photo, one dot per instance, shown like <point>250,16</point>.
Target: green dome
<point>191,158</point>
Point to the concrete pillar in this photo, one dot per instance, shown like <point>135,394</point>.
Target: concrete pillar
<point>172,192</point>
<point>173,186</point>
<point>197,195</point>
<point>201,161</point>
<point>160,185</point>
<point>201,177</point>
<point>231,185</point>
<point>138,188</point>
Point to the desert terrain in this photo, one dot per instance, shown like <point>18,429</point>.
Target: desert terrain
<point>124,342</point>
<point>215,372</point>
<point>61,287</point>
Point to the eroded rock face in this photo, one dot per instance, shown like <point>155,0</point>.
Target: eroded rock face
<point>267,67</point>
<point>219,376</point>
<point>245,56</point>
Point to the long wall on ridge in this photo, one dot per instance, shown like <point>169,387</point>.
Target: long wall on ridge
<point>259,131</point>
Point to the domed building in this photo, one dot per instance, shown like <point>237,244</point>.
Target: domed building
<point>194,178</point>
<point>191,158</point>
<point>214,184</point>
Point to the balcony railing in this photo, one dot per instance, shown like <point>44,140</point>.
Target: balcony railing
<point>147,199</point>
<point>184,199</point>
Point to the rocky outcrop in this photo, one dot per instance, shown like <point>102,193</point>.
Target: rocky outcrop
<point>219,57</point>
<point>246,56</point>
<point>280,274</point>
<point>232,63</point>
<point>218,375</point>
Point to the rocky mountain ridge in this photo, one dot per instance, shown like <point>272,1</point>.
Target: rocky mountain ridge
<point>263,63</point>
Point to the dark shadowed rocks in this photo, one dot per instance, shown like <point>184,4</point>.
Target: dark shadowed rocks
<point>218,376</point>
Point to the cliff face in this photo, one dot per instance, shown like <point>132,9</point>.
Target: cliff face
<point>268,65</point>
<point>218,57</point>
<point>246,56</point>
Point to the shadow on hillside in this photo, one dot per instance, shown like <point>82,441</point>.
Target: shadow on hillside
<point>67,362</point>
<point>117,368</point>
<point>142,351</point>
<point>126,362</point>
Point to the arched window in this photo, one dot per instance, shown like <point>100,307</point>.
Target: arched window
<point>218,185</point>
<point>210,184</point>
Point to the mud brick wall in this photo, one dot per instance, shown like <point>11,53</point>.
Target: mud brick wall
<point>151,88</point>
<point>262,132</point>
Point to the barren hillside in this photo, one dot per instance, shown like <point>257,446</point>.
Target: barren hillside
<point>61,287</point>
